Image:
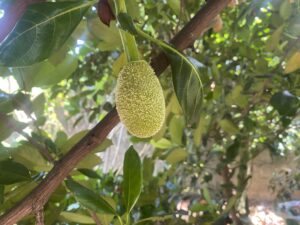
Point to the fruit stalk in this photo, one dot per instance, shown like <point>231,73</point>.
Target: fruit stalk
<point>128,40</point>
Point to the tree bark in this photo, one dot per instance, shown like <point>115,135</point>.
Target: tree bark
<point>40,195</point>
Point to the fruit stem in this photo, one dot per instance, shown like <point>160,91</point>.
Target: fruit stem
<point>128,40</point>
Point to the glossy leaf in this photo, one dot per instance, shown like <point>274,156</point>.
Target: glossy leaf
<point>186,78</point>
<point>285,103</point>
<point>132,184</point>
<point>30,157</point>
<point>13,172</point>
<point>42,30</point>
<point>76,218</point>
<point>89,173</point>
<point>89,199</point>
<point>187,85</point>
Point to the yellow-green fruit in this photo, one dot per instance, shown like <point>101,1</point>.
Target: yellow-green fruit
<point>139,99</point>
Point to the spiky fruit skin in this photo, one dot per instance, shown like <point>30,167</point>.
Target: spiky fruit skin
<point>139,99</point>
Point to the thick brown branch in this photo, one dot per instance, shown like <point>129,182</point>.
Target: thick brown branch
<point>40,195</point>
<point>193,30</point>
<point>13,12</point>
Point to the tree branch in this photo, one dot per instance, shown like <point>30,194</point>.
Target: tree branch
<point>40,195</point>
<point>95,217</point>
<point>40,217</point>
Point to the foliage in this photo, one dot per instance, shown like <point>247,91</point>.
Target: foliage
<point>236,95</point>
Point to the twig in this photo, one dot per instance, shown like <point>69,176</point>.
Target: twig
<point>95,217</point>
<point>97,135</point>
<point>40,217</point>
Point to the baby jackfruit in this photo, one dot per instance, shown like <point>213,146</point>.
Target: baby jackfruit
<point>139,99</point>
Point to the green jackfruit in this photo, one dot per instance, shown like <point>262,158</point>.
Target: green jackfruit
<point>139,99</point>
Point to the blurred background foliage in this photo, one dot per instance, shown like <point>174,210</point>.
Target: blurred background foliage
<point>249,64</point>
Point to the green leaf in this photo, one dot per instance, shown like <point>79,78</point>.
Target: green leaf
<point>103,146</point>
<point>197,207</point>
<point>186,79</point>
<point>6,103</point>
<point>38,105</point>
<point>105,219</point>
<point>89,199</point>
<point>285,103</point>
<point>176,128</point>
<point>76,218</point>
<point>133,8</point>
<point>89,173</point>
<point>52,74</point>
<point>203,126</point>
<point>89,162</point>
<point>187,85</point>
<point>13,172</point>
<point>126,23</point>
<point>293,27</point>
<point>162,143</point>
<point>17,194</point>
<point>285,10</point>
<point>273,41</point>
<point>4,153</point>
<point>72,141</point>
<point>175,6</point>
<point>148,168</point>
<point>235,97</point>
<point>292,63</point>
<point>155,219</point>
<point>1,194</point>
<point>118,64</point>
<point>232,151</point>
<point>109,36</point>
<point>41,31</point>
<point>132,184</point>
<point>176,156</point>
<point>30,157</point>
<point>229,127</point>
<point>206,196</point>
<point>8,125</point>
